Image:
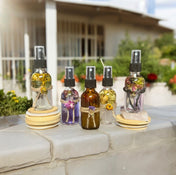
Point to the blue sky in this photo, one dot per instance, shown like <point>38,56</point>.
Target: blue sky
<point>166,9</point>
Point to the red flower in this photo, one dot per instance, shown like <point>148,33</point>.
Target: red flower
<point>76,78</point>
<point>62,80</point>
<point>83,77</point>
<point>99,77</point>
<point>173,80</point>
<point>152,77</point>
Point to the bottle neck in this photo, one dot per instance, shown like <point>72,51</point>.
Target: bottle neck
<point>90,89</point>
<point>41,70</point>
<point>107,87</point>
<point>134,74</point>
<point>68,88</point>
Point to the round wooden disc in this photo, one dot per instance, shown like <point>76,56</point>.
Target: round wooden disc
<point>42,121</point>
<point>42,127</point>
<point>32,110</point>
<point>120,119</point>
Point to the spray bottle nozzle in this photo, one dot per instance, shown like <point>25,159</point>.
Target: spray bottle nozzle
<point>39,61</point>
<point>90,81</point>
<point>90,72</point>
<point>107,72</point>
<point>107,76</point>
<point>39,52</point>
<point>135,65</point>
<point>69,80</point>
<point>69,73</point>
<point>136,56</point>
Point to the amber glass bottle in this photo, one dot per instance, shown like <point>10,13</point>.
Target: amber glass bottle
<point>90,102</point>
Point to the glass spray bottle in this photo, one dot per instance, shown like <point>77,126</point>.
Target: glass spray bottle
<point>107,97</point>
<point>69,99</point>
<point>134,85</point>
<point>41,83</point>
<point>90,102</point>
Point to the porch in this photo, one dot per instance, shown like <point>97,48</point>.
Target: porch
<point>68,30</point>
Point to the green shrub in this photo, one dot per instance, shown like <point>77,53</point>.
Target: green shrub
<point>166,43</point>
<point>10,104</point>
<point>165,39</point>
<point>80,70</point>
<point>151,53</point>
<point>149,57</point>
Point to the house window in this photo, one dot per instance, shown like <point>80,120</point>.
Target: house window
<point>80,39</point>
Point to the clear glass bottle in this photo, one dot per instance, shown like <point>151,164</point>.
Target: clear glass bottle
<point>41,82</point>
<point>90,102</point>
<point>134,85</point>
<point>69,99</point>
<point>107,97</point>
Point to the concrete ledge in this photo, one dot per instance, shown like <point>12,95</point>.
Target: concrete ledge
<point>20,149</point>
<point>70,150</point>
<point>72,141</point>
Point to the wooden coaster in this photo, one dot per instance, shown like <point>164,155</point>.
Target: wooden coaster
<point>42,127</point>
<point>42,119</point>
<point>32,110</point>
<point>132,128</point>
<point>42,114</point>
<point>120,119</point>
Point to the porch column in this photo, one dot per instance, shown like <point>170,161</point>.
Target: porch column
<point>13,53</point>
<point>27,61</point>
<point>51,45</point>
<point>1,79</point>
<point>14,71</point>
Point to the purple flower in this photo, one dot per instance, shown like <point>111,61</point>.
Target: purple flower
<point>92,108</point>
<point>69,105</point>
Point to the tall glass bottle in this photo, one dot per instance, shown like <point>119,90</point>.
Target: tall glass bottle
<point>41,83</point>
<point>90,102</point>
<point>107,97</point>
<point>134,85</point>
<point>69,99</point>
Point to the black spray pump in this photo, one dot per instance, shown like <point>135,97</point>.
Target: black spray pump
<point>69,80</point>
<point>107,76</point>
<point>135,65</point>
<point>39,61</point>
<point>90,81</point>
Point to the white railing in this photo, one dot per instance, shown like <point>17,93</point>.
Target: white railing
<point>14,67</point>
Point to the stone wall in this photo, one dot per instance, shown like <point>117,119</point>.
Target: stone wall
<point>157,94</point>
<point>70,150</point>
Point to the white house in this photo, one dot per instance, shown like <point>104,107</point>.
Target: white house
<point>68,29</point>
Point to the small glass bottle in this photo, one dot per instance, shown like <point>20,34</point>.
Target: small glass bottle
<point>107,97</point>
<point>90,102</point>
<point>69,99</point>
<point>41,83</point>
<point>134,85</point>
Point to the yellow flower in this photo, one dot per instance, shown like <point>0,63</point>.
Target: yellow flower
<point>105,99</point>
<point>43,90</point>
<point>14,98</point>
<point>16,101</point>
<point>12,91</point>
<point>109,106</point>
